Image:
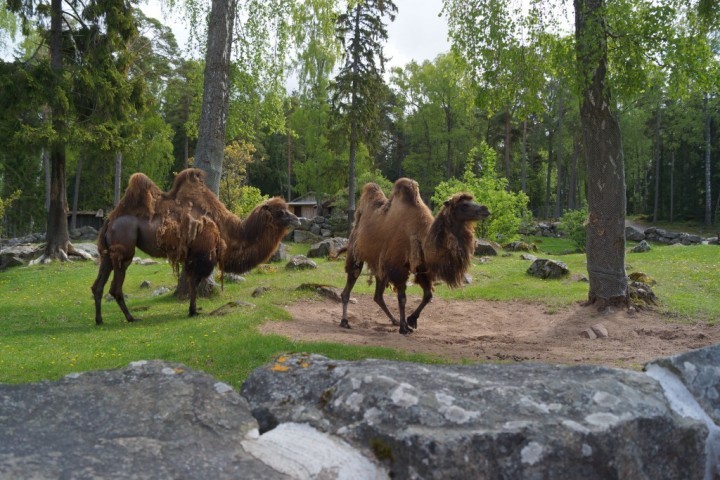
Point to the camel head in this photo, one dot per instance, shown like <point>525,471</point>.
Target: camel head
<point>276,211</point>
<point>462,208</point>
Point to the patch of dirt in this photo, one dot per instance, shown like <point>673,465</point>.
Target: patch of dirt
<point>482,330</point>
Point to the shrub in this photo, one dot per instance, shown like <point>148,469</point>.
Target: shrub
<point>245,199</point>
<point>508,209</point>
<point>573,224</point>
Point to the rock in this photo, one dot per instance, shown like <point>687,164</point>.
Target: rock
<point>633,234</point>
<point>483,420</point>
<point>233,278</point>
<point>324,290</point>
<point>642,277</point>
<point>8,260</point>
<point>23,252</point>
<point>149,420</point>
<point>88,248</point>
<point>548,269</point>
<point>527,256</point>
<point>144,261</point>
<point>600,330</point>
<point>259,291</point>
<point>486,248</point>
<point>641,247</point>
<point>160,291</point>
<point>280,254</point>
<point>326,248</point>
<point>641,295</point>
<point>588,333</point>
<point>304,236</point>
<point>231,307</point>
<point>300,262</point>
<point>520,247</point>
<point>145,284</point>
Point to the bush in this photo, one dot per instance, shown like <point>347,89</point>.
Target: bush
<point>245,199</point>
<point>573,224</point>
<point>508,209</point>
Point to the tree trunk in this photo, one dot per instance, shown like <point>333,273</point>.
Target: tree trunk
<point>523,164</point>
<point>57,236</point>
<point>558,183</point>
<point>46,168</point>
<point>708,177</point>
<point>449,170</point>
<point>508,131</point>
<point>289,165</point>
<point>572,193</point>
<point>672,185</point>
<point>605,163</point>
<point>76,194</point>
<point>353,130</point>
<point>548,176</point>
<point>118,179</point>
<point>210,149</point>
<point>656,200</point>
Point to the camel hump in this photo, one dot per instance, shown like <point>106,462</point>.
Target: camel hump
<point>372,197</point>
<point>139,197</point>
<point>191,177</point>
<point>406,190</point>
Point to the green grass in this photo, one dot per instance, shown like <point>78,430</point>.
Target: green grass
<point>47,326</point>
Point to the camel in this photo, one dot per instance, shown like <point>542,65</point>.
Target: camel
<point>399,236</point>
<point>188,225</point>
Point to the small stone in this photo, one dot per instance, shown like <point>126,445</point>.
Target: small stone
<point>588,333</point>
<point>600,330</point>
<point>145,284</point>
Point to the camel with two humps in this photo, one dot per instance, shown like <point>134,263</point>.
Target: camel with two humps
<point>191,227</point>
<point>398,236</point>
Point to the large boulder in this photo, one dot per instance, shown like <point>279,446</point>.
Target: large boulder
<point>548,269</point>
<point>150,420</point>
<point>486,248</point>
<point>634,234</point>
<point>485,421</point>
<point>327,247</point>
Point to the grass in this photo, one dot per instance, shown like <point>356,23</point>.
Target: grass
<point>47,326</point>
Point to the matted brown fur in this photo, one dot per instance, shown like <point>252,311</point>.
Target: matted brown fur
<point>388,232</point>
<point>188,225</point>
<point>449,246</point>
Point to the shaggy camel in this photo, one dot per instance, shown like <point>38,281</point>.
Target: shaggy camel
<point>189,226</point>
<point>399,236</point>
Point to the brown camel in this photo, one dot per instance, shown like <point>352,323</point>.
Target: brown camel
<point>399,236</point>
<point>189,226</point>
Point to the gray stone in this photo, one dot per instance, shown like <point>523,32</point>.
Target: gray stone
<point>641,247</point>
<point>527,256</point>
<point>300,262</point>
<point>326,248</point>
<point>485,421</point>
<point>486,248</point>
<point>145,284</point>
<point>691,382</point>
<point>303,236</point>
<point>8,260</point>
<point>233,278</point>
<point>150,420</point>
<point>88,248</point>
<point>634,234</point>
<point>548,269</point>
<point>23,251</point>
<point>280,254</point>
<point>160,291</point>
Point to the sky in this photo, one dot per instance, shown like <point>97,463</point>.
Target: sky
<point>417,33</point>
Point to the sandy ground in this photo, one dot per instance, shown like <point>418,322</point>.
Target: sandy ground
<point>491,331</point>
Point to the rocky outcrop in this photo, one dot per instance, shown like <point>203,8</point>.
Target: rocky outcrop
<point>313,230</point>
<point>547,269</point>
<point>307,416</point>
<point>486,421</point>
<point>327,248</point>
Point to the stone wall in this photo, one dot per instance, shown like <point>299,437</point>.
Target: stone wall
<point>307,416</point>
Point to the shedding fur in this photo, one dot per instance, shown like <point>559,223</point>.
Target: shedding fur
<point>398,236</point>
<point>189,226</point>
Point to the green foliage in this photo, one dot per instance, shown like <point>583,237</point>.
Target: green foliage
<point>6,202</point>
<point>508,209</point>
<point>574,224</point>
<point>245,199</point>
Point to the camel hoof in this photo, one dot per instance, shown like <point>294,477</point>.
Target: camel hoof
<point>406,331</point>
<point>345,324</point>
<point>98,321</point>
<point>412,323</point>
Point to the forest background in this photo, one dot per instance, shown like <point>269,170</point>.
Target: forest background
<point>502,104</point>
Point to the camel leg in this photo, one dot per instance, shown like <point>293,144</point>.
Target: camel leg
<point>193,283</point>
<point>353,269</point>
<point>120,262</point>
<point>380,287</point>
<point>426,285</point>
<point>97,288</point>
<point>401,306</point>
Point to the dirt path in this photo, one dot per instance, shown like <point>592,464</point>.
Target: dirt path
<point>514,331</point>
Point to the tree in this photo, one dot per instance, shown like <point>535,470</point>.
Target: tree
<point>355,90</point>
<point>605,160</point>
<point>90,39</point>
